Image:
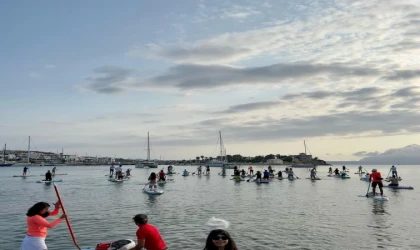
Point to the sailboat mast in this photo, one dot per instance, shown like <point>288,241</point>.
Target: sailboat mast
<point>4,154</point>
<point>304,143</point>
<point>29,148</point>
<point>148,147</point>
<point>221,146</point>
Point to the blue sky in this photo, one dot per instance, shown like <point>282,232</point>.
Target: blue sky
<point>94,76</point>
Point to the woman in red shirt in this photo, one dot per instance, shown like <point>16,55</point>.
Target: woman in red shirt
<point>38,226</point>
<point>148,236</point>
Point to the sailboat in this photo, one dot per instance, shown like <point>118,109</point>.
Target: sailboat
<point>303,165</point>
<point>4,164</point>
<point>28,163</point>
<point>148,163</point>
<point>223,159</point>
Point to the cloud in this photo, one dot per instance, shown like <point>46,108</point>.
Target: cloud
<point>239,12</point>
<point>249,107</point>
<point>35,75</point>
<point>112,81</point>
<point>406,155</point>
<point>369,98</point>
<point>343,32</point>
<point>50,66</point>
<point>364,153</point>
<point>186,77</point>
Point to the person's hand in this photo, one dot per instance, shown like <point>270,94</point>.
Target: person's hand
<point>63,216</point>
<point>57,205</point>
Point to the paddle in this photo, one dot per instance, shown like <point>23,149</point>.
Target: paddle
<point>67,219</point>
<point>146,186</point>
<point>367,193</point>
<point>388,174</point>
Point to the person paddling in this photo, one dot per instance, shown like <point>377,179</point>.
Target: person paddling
<point>111,170</point>
<point>162,176</point>
<point>152,181</point>
<point>290,174</point>
<point>360,169</point>
<point>280,175</point>
<point>266,175</point>
<point>25,169</point>
<point>394,181</point>
<point>207,169</point>
<point>313,173</point>
<point>376,179</point>
<point>394,171</point>
<point>48,176</point>
<point>37,225</point>
<point>251,170</point>
<point>117,171</point>
<point>330,170</point>
<point>148,236</point>
<point>258,174</point>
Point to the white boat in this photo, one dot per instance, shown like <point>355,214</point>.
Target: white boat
<point>5,164</point>
<point>223,159</point>
<point>148,163</point>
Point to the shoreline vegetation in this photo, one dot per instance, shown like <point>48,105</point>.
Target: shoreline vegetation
<point>270,159</point>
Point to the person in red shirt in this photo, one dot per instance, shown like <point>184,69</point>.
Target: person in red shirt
<point>148,236</point>
<point>162,176</point>
<point>376,179</point>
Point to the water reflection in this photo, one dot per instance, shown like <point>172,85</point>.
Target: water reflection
<point>381,229</point>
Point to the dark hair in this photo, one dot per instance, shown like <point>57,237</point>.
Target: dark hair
<point>209,242</point>
<point>35,209</point>
<point>152,176</point>
<point>140,219</point>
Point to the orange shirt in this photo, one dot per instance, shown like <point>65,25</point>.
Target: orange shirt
<point>376,177</point>
<point>38,226</point>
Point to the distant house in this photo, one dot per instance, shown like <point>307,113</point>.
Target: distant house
<point>302,157</point>
<point>275,161</point>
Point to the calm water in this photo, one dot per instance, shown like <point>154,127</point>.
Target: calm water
<point>301,214</point>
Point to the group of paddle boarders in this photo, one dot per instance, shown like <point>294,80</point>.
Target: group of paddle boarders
<point>119,174</point>
<point>394,179</point>
<point>200,170</point>
<point>148,236</point>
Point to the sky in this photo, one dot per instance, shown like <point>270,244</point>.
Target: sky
<point>94,77</point>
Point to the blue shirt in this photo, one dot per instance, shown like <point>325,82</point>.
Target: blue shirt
<point>266,174</point>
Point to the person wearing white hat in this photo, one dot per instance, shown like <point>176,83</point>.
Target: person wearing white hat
<point>376,179</point>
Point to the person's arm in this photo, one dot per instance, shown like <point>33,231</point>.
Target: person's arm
<point>139,246</point>
<point>43,222</point>
<point>56,209</point>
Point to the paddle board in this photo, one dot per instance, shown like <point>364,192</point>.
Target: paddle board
<point>23,175</point>
<point>53,174</point>
<point>364,179</point>
<point>380,198</point>
<point>361,173</point>
<point>261,181</point>
<point>280,178</point>
<point>115,180</point>
<point>313,179</point>
<point>235,179</point>
<point>399,187</point>
<point>153,192</point>
<point>49,181</point>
